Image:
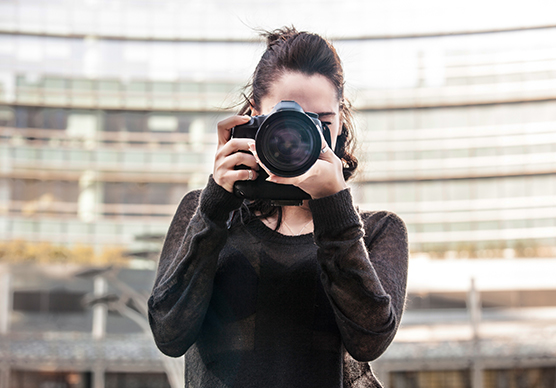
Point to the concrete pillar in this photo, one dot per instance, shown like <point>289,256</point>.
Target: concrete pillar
<point>100,310</point>
<point>4,374</point>
<point>474,309</point>
<point>197,130</point>
<point>99,380</point>
<point>90,196</point>
<point>5,317</point>
<point>5,300</point>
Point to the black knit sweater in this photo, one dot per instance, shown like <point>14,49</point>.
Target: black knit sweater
<point>251,307</point>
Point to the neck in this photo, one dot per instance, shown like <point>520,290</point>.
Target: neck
<point>296,220</point>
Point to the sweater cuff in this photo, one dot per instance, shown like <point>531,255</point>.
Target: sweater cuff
<point>334,213</point>
<point>217,203</point>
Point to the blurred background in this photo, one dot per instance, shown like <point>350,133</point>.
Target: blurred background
<point>108,113</point>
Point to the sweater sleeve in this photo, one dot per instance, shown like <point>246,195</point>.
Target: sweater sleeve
<point>184,279</point>
<point>364,272</point>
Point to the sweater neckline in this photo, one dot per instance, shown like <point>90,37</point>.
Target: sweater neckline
<point>259,229</point>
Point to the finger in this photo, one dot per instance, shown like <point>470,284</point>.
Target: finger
<point>243,159</point>
<point>235,145</point>
<point>232,161</point>
<point>253,150</point>
<point>241,175</point>
<point>251,175</point>
<point>225,127</point>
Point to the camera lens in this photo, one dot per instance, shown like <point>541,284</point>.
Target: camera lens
<point>288,143</point>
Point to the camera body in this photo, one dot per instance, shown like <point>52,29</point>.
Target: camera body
<point>288,142</point>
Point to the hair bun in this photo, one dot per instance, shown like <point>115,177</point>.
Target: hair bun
<point>279,35</point>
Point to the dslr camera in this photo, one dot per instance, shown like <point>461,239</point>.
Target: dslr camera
<point>288,142</point>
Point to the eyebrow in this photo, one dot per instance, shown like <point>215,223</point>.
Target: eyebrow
<point>326,114</point>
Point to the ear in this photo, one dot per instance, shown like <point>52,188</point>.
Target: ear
<point>254,110</point>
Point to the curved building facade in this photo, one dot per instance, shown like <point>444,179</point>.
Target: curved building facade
<point>105,125</point>
<point>460,140</point>
<point>108,113</point>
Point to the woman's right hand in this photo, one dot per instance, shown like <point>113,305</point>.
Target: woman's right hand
<point>228,156</point>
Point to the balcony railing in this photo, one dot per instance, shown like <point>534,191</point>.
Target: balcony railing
<point>119,140</point>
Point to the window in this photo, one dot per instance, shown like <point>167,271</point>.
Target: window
<point>136,380</point>
<point>432,191</point>
<point>114,121</point>
<point>520,377</point>
<point>82,92</point>
<point>135,121</point>
<point>162,123</point>
<point>32,189</point>
<point>106,86</point>
<point>459,190</point>
<point>85,85</point>
<point>54,83</point>
<point>405,192</point>
<point>163,87</point>
<point>82,124</point>
<point>137,87</point>
<point>55,118</point>
<point>428,379</point>
<point>29,117</point>
<point>375,193</point>
<point>189,87</point>
<point>184,121</point>
<point>109,92</point>
<point>28,379</point>
<point>7,117</point>
<point>48,301</point>
<point>433,227</point>
<point>514,187</point>
<point>143,193</point>
<point>487,188</point>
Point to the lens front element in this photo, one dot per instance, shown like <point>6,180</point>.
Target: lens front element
<point>288,143</point>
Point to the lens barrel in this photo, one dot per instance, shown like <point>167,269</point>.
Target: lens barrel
<point>288,142</point>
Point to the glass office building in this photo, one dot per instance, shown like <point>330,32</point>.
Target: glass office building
<point>108,117</point>
<point>108,113</point>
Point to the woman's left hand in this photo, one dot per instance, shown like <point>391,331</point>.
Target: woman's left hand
<point>324,178</point>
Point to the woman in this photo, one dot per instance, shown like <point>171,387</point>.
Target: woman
<point>259,296</point>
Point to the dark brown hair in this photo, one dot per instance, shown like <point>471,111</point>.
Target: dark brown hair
<point>289,50</point>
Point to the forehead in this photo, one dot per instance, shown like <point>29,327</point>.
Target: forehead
<point>315,93</point>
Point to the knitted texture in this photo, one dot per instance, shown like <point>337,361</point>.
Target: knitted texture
<point>250,307</point>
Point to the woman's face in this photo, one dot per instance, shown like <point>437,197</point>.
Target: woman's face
<point>315,93</point>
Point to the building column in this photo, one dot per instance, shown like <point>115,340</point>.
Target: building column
<point>474,310</point>
<point>5,300</point>
<point>89,196</point>
<point>5,317</point>
<point>4,374</point>
<point>100,310</point>
<point>99,380</point>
